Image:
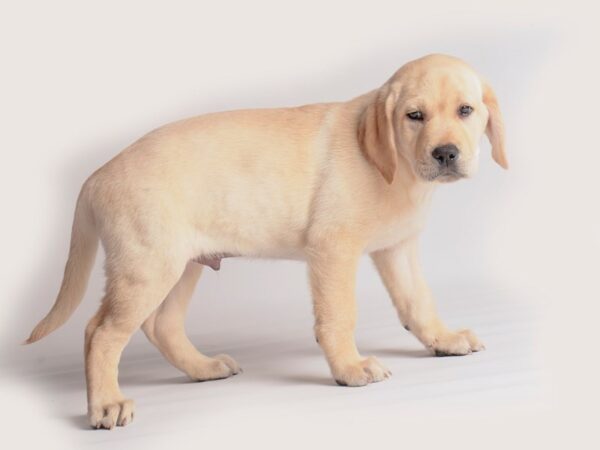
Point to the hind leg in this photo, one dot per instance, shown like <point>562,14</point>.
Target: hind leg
<point>165,329</point>
<point>132,293</point>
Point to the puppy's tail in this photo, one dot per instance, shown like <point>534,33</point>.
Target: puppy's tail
<point>82,253</point>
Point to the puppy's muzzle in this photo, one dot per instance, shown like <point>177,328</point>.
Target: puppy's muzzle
<point>446,167</point>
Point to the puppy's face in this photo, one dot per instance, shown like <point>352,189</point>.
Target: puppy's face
<point>439,118</point>
<point>432,113</point>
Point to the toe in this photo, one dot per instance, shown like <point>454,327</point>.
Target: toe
<point>474,342</point>
<point>361,373</point>
<point>118,413</point>
<point>126,414</point>
<point>230,362</point>
<point>451,344</point>
<point>111,414</point>
<point>352,375</point>
<point>217,368</point>
<point>376,370</point>
<point>95,415</point>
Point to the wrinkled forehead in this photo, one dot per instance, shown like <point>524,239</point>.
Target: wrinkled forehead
<point>436,87</point>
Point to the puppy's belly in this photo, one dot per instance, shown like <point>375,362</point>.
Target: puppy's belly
<point>214,260</point>
<point>210,252</point>
<point>211,249</point>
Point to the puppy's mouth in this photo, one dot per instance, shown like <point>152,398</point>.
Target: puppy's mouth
<point>448,175</point>
<point>440,174</point>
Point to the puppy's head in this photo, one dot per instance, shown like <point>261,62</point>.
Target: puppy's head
<point>432,113</point>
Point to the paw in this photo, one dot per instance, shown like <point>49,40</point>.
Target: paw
<point>217,368</point>
<point>109,415</point>
<point>458,343</point>
<point>361,373</point>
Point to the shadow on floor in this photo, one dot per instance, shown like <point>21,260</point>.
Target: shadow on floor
<point>275,362</point>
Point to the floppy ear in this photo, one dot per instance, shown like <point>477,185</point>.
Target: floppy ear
<point>376,134</point>
<point>495,126</point>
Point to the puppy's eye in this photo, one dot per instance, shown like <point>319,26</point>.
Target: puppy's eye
<point>465,110</point>
<point>415,115</point>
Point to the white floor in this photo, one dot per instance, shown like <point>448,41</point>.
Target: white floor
<point>285,397</point>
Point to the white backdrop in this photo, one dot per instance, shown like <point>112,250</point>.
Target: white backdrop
<point>81,81</point>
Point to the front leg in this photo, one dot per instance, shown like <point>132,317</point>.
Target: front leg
<point>401,273</point>
<point>333,278</point>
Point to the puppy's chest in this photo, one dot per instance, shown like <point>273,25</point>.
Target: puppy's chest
<point>396,230</point>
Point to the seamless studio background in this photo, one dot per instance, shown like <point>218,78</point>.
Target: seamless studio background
<point>512,255</point>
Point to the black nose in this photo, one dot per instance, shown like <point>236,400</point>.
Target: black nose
<point>445,154</point>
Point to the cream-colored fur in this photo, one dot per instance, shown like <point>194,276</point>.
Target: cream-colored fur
<point>325,183</point>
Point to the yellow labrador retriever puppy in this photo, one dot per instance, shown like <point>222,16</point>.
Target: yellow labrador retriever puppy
<point>325,183</point>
